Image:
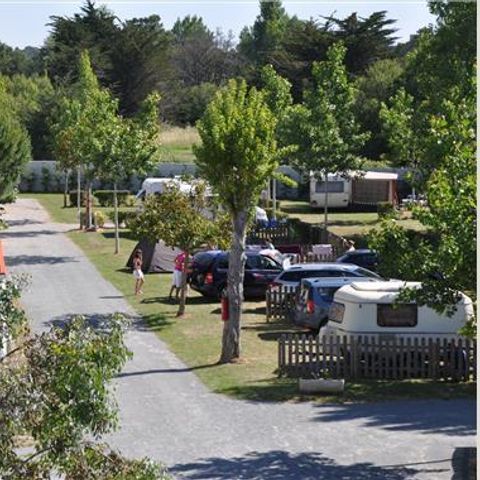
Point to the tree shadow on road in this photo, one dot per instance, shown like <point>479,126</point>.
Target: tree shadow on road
<point>454,417</point>
<point>282,465</point>
<point>17,260</point>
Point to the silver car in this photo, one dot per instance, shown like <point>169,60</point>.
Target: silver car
<point>293,275</point>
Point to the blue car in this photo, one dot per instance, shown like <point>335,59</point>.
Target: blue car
<point>315,298</point>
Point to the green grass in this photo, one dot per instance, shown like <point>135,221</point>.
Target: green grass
<point>345,224</point>
<point>53,202</point>
<point>196,338</point>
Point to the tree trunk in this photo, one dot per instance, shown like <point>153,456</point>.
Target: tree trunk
<point>65,189</point>
<point>79,209</point>
<point>236,272</point>
<point>325,221</point>
<point>183,290</point>
<point>274,199</point>
<point>88,212</point>
<point>115,209</point>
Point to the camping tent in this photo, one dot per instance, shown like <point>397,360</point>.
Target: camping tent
<point>157,257</point>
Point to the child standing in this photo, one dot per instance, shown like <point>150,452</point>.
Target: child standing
<point>137,271</point>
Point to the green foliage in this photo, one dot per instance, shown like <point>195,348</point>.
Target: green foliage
<point>403,126</point>
<point>99,218</point>
<point>323,128</point>
<point>238,151</point>
<point>12,317</point>
<point>105,197</point>
<point>366,39</point>
<point>377,85</point>
<point>124,217</point>
<point>46,179</point>
<point>65,372</point>
<point>72,197</point>
<point>15,150</point>
<point>386,210</point>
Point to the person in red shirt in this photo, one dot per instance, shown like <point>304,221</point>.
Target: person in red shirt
<point>179,268</point>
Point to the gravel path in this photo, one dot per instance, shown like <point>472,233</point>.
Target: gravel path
<point>168,415</point>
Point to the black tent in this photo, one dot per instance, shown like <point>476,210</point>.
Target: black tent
<point>157,257</point>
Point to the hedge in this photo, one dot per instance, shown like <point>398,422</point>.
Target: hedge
<point>105,197</point>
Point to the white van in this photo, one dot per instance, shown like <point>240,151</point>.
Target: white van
<point>151,186</point>
<point>370,309</point>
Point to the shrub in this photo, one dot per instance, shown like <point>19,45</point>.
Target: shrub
<point>99,219</point>
<point>72,197</point>
<point>124,217</point>
<point>386,210</point>
<point>46,179</point>
<point>105,197</point>
<point>130,201</point>
<point>279,214</point>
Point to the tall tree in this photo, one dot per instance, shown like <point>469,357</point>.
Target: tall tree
<point>15,149</point>
<point>367,39</point>
<point>130,147</point>
<point>180,220</point>
<point>237,155</point>
<point>379,83</point>
<point>93,29</point>
<point>403,127</point>
<point>263,38</point>
<point>323,128</point>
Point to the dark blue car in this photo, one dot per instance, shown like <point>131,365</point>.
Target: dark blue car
<point>363,257</point>
<point>315,298</point>
<point>208,274</point>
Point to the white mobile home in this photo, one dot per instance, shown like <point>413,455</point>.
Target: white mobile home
<point>370,309</point>
<point>357,188</point>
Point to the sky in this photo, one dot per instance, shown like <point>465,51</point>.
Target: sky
<point>24,22</point>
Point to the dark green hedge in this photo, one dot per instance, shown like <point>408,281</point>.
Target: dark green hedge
<point>105,197</point>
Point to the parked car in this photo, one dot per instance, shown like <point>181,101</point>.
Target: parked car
<point>293,275</point>
<point>209,270</point>
<point>315,298</point>
<point>372,309</point>
<point>363,257</point>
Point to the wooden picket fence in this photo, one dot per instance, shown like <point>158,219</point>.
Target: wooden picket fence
<point>310,257</point>
<point>357,357</point>
<point>280,302</point>
<point>278,234</point>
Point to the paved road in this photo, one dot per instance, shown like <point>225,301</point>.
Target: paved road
<point>168,415</point>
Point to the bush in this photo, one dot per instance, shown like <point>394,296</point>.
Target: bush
<point>124,217</point>
<point>72,197</point>
<point>130,201</point>
<point>99,219</point>
<point>105,197</point>
<point>386,210</point>
<point>279,214</point>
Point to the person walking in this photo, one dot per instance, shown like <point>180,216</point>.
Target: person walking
<point>178,269</point>
<point>137,271</point>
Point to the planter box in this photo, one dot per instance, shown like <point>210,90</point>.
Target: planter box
<point>321,385</point>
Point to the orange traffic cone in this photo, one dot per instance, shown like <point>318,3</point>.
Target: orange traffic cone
<point>3,267</point>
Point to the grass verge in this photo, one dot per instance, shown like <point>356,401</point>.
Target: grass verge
<point>196,338</point>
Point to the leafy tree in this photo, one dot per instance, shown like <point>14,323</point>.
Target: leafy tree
<point>32,100</point>
<point>323,128</point>
<point>130,147</point>
<point>403,126</point>
<point>15,149</point>
<point>93,29</point>
<point>260,41</point>
<point>54,387</point>
<point>81,128</point>
<point>379,83</point>
<point>180,220</point>
<point>445,108</point>
<point>237,155</point>
<point>367,40</point>
<point>16,61</point>
<point>139,61</point>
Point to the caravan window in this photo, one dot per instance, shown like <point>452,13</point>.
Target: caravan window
<point>333,187</point>
<point>400,315</point>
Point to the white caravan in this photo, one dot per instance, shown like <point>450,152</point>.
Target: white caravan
<point>370,309</point>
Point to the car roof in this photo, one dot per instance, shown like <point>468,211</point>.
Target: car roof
<point>335,281</point>
<point>345,267</point>
<point>360,250</point>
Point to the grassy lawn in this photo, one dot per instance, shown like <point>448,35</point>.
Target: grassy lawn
<point>342,223</point>
<point>53,202</point>
<point>196,338</point>
<point>176,144</point>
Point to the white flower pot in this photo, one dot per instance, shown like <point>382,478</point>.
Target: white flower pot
<point>321,385</point>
